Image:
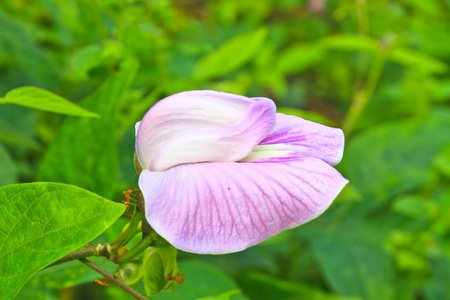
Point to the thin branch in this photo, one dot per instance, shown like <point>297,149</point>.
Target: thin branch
<point>113,279</point>
<point>94,250</point>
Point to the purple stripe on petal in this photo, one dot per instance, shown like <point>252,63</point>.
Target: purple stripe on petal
<point>299,137</point>
<point>227,207</point>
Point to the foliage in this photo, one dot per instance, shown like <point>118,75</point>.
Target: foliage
<point>378,69</point>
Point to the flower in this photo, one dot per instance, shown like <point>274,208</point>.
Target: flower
<point>223,172</point>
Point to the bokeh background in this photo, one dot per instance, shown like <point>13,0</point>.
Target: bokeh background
<point>378,69</point>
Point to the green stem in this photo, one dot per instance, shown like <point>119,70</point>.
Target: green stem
<point>363,95</point>
<point>146,242</point>
<point>128,234</point>
<point>362,17</point>
<point>113,279</point>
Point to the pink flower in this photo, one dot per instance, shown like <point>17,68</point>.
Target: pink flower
<point>223,172</point>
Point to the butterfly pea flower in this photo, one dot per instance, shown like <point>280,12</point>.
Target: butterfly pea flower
<point>223,172</point>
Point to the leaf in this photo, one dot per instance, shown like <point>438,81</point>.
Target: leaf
<point>233,54</point>
<point>44,100</point>
<point>38,293</point>
<point>356,268</point>
<point>85,151</point>
<point>223,296</point>
<point>413,205</point>
<point>18,133</point>
<point>159,263</point>
<point>401,55</point>
<point>17,43</point>
<point>300,57</point>
<point>349,42</point>
<point>41,222</point>
<point>8,169</point>
<point>395,157</point>
<point>417,60</point>
<point>83,61</point>
<point>436,287</point>
<point>442,161</point>
<point>69,274</point>
<point>262,286</point>
<point>201,280</point>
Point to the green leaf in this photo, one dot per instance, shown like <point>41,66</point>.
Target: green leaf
<point>44,100</point>
<point>85,151</point>
<point>436,287</point>
<point>442,161</point>
<point>233,54</point>
<point>18,133</point>
<point>417,60</point>
<point>83,61</point>
<point>38,293</point>
<point>159,263</point>
<point>300,57</point>
<point>413,205</point>
<point>201,280</point>
<point>41,222</point>
<point>349,42</point>
<point>356,268</point>
<point>62,276</point>
<point>8,169</point>
<point>16,41</point>
<point>259,285</point>
<point>223,296</point>
<point>395,157</point>
<point>401,55</point>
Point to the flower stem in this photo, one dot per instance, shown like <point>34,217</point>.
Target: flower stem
<point>146,242</point>
<point>113,279</point>
<point>128,234</point>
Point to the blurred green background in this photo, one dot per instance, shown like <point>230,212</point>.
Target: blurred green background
<point>378,69</point>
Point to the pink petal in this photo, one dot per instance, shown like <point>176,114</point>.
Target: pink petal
<point>295,137</point>
<point>202,126</point>
<point>226,207</point>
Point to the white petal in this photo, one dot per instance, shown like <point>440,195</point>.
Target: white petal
<point>202,126</point>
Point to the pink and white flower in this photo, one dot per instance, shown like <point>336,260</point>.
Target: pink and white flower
<point>223,172</point>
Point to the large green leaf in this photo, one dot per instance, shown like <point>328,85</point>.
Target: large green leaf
<point>353,266</point>
<point>231,55</point>
<point>395,157</point>
<point>8,169</point>
<point>85,150</point>
<point>261,286</point>
<point>37,98</point>
<point>201,280</point>
<point>41,222</point>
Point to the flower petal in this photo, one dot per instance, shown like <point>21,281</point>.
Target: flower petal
<point>295,137</point>
<point>202,126</point>
<point>227,207</point>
